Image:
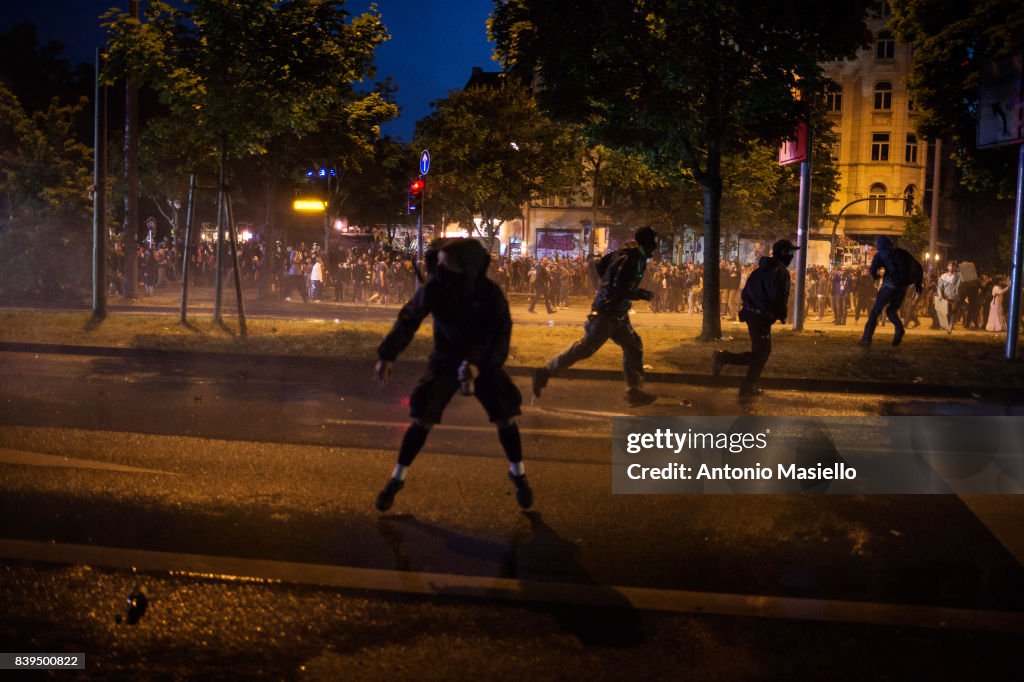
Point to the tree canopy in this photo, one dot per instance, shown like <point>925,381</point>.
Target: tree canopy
<point>244,72</point>
<point>681,82</point>
<point>953,41</point>
<point>493,150</point>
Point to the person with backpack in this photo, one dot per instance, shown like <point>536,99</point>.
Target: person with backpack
<point>765,299</point>
<point>901,271</point>
<point>621,272</point>
<point>472,332</point>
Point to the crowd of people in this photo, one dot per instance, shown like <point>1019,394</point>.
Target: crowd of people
<point>969,300</point>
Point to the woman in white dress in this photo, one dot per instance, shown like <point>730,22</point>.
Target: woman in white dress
<point>996,316</point>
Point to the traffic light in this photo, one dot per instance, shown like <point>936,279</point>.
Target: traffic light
<point>416,188</point>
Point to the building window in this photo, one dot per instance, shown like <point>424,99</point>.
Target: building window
<point>885,45</point>
<point>835,149</point>
<point>876,205</point>
<point>884,10</point>
<point>911,156</point>
<point>908,200</point>
<point>880,146</point>
<point>833,98</point>
<point>883,96</point>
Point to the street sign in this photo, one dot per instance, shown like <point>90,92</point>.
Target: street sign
<point>1001,103</point>
<point>151,223</point>
<point>424,162</point>
<point>795,150</point>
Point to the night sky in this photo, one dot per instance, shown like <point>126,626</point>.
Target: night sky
<point>433,48</point>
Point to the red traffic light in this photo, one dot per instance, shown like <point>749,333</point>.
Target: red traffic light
<point>416,186</point>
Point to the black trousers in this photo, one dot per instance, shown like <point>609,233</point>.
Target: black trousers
<point>888,299</point>
<point>760,329</point>
<point>598,329</point>
<point>538,294</point>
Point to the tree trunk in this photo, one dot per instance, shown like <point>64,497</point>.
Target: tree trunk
<point>267,274</point>
<point>131,178</point>
<point>712,190</point>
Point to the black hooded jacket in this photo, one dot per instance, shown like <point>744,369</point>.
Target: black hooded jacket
<point>621,272</point>
<point>471,315</point>
<point>766,294</point>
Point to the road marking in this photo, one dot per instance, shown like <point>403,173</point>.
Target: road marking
<point>8,456</point>
<point>558,433</point>
<point>591,414</point>
<point>505,589</point>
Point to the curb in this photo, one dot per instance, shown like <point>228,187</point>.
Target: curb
<point>702,380</point>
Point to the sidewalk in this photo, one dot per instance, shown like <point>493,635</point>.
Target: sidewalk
<point>823,357</point>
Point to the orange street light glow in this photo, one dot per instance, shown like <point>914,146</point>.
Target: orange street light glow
<point>311,205</point>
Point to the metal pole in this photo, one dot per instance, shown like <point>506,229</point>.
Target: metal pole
<point>933,229</point>
<point>190,212</point>
<point>803,223</point>
<point>419,225</point>
<point>218,287</point>
<point>1013,323</point>
<point>327,225</point>
<point>419,230</point>
<point>99,200</point>
<point>229,215</point>
<point>131,177</point>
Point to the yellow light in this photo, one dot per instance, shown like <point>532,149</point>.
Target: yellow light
<point>309,205</point>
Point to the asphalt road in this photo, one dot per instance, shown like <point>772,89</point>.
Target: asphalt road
<point>241,496</point>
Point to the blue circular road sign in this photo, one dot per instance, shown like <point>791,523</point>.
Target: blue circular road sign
<point>424,162</point>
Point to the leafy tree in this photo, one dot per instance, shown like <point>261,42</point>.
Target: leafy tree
<point>245,78</point>
<point>44,201</point>
<point>952,42</point>
<point>493,150</point>
<point>915,234</point>
<point>685,83</point>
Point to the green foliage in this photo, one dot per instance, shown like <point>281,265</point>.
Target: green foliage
<point>493,150</point>
<point>684,83</point>
<point>915,234</point>
<point>246,72</point>
<point>952,42</point>
<point>44,181</point>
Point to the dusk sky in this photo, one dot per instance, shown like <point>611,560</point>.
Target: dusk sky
<point>433,47</point>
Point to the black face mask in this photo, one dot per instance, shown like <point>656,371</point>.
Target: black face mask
<point>785,259</point>
<point>445,276</point>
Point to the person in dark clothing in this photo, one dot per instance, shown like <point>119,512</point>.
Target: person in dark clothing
<point>901,270</point>
<point>542,288</point>
<point>765,299</point>
<point>620,273</point>
<point>472,330</point>
<point>865,292</point>
<point>842,284</point>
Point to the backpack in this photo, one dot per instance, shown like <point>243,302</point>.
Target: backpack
<point>910,270</point>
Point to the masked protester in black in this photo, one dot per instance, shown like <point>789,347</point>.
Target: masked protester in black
<point>901,271</point>
<point>620,273</point>
<point>765,299</point>
<point>472,329</point>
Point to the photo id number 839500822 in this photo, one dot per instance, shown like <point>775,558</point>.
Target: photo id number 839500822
<point>42,661</point>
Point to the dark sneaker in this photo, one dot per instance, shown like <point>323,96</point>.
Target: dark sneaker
<point>898,336</point>
<point>540,380</point>
<point>386,497</point>
<point>748,393</point>
<point>717,362</point>
<point>524,493</point>
<point>865,342</point>
<point>637,397</point>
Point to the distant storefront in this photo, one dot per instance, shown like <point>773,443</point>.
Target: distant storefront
<point>559,243</point>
